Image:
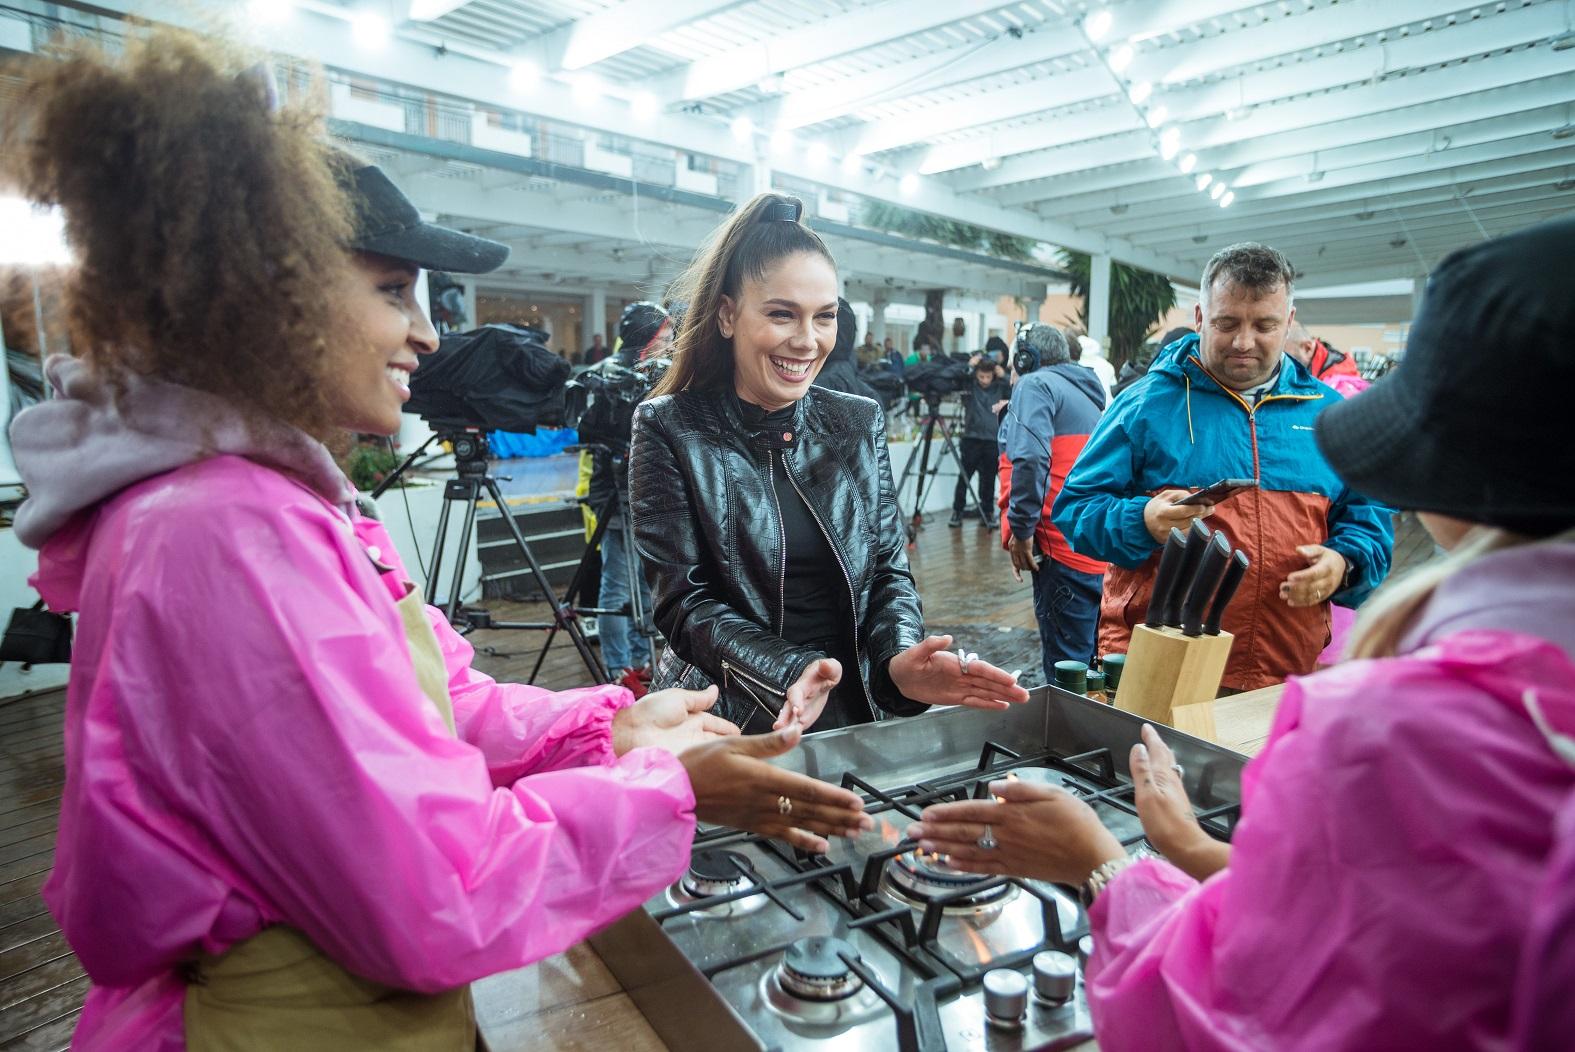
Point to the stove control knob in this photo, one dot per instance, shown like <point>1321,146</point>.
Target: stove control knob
<point>1005,998</point>
<point>1055,976</point>
<point>1085,950</point>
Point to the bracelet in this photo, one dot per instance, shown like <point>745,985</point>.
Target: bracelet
<point>1102,875</point>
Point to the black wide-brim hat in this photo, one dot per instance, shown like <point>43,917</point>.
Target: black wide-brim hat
<point>387,223</point>
<point>1474,422</point>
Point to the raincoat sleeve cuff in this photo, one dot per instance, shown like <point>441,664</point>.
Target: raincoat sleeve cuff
<point>1122,914</point>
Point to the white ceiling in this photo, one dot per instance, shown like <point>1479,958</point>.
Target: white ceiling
<point>1366,138</point>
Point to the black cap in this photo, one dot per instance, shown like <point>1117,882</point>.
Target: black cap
<point>1472,422</point>
<point>388,224</point>
<point>640,323</point>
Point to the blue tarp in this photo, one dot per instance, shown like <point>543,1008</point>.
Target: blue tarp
<point>544,443</point>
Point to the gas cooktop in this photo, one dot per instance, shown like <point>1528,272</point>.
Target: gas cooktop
<point>877,945</point>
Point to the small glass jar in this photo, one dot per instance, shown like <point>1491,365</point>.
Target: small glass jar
<point>1096,685</point>
<point>1112,665</point>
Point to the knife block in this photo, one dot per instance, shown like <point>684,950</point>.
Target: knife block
<point>1173,679</point>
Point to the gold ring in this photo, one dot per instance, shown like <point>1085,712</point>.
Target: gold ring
<point>784,806</point>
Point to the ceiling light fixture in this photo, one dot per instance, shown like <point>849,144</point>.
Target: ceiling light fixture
<point>369,30</point>
<point>1156,116</point>
<point>1204,180</point>
<point>1140,92</point>
<point>587,89</point>
<point>644,105</point>
<point>818,154</point>
<point>990,164</point>
<point>1121,58</point>
<point>743,129</point>
<point>908,185</point>
<point>1230,195</point>
<point>1097,25</point>
<point>524,76</point>
<point>1564,132</point>
<point>852,164</point>
<point>1189,162</point>
<point>1219,188</point>
<point>781,141</point>
<point>1169,142</point>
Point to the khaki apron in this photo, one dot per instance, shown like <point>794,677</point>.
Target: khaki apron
<point>276,990</point>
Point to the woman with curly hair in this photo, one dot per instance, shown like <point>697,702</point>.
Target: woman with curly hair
<point>294,816</point>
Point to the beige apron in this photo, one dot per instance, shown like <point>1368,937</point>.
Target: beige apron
<point>276,990</point>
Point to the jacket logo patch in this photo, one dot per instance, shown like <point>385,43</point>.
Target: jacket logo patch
<point>1301,427</point>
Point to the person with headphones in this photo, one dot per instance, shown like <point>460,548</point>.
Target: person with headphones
<point>1054,408</point>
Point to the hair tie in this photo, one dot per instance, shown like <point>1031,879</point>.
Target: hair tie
<point>784,211</point>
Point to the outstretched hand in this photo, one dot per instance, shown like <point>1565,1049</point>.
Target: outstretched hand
<point>734,786</point>
<point>1166,813</point>
<point>928,672</point>
<point>671,719</point>
<point>806,699</point>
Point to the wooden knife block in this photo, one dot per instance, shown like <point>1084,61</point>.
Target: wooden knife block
<point>1173,679</point>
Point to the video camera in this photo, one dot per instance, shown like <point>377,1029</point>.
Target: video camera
<point>600,401</point>
<point>940,376</point>
<point>495,378</point>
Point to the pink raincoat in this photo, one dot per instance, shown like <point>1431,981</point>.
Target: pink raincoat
<point>1403,875</point>
<point>246,742</point>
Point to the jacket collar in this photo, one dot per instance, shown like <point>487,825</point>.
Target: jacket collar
<point>1184,361</point>
<point>732,419</point>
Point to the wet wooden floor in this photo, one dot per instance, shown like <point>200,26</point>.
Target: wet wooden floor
<point>966,584</point>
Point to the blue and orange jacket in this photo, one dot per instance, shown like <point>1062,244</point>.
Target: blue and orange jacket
<point>1179,427</point>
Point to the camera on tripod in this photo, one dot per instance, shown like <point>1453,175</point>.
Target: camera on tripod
<point>940,376</point>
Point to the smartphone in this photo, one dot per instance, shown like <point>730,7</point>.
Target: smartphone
<point>1224,489</point>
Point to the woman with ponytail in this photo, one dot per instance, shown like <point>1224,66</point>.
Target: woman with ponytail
<point>1403,872</point>
<point>764,507</point>
<point>294,817</point>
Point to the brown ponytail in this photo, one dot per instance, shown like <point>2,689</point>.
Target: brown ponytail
<point>758,236</point>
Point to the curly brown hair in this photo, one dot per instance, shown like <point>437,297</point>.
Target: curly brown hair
<point>744,248</point>
<point>208,227</point>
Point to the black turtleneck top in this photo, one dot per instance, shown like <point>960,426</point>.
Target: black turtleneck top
<point>817,609</point>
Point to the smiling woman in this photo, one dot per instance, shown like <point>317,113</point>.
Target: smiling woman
<point>764,508</point>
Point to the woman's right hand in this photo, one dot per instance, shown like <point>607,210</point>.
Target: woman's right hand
<point>735,787</point>
<point>807,698</point>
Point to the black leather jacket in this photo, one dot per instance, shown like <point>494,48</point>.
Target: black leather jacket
<point>706,525</point>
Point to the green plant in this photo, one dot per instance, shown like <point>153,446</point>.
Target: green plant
<point>1138,300</point>
<point>368,464</point>
<point>897,220</point>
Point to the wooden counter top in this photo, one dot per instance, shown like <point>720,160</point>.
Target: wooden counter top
<point>572,1002</point>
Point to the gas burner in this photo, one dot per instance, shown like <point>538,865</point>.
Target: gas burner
<point>814,984</point>
<point>916,878</point>
<point>713,873</point>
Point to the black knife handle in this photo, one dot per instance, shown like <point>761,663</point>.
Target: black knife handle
<point>1227,590</point>
<point>1210,570</point>
<point>1165,578</point>
<point>1198,537</point>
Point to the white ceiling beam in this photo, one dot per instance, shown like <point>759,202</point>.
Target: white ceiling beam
<point>1442,165</point>
<point>818,41</point>
<point>1462,41</point>
<point>801,107</point>
<point>1297,30</point>
<point>431,10</point>
<point>1323,149</point>
<point>1307,243</point>
<point>1050,131</point>
<point>1015,171</point>
<point>1481,106</point>
<point>1163,223</point>
<point>1002,104</point>
<point>614,30</point>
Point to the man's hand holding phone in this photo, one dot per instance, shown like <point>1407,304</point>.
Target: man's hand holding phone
<point>1162,512</point>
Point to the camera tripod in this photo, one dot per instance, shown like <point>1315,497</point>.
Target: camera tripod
<point>927,472</point>
<point>615,507</point>
<point>470,453</point>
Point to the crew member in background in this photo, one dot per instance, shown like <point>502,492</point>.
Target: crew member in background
<point>644,331</point>
<point>980,425</point>
<point>1226,405</point>
<point>868,354</point>
<point>840,373</point>
<point>1054,407</point>
<point>1335,368</point>
<point>1089,352</point>
<point>596,351</point>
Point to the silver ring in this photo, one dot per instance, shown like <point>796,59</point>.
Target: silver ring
<point>1180,771</point>
<point>784,806</point>
<point>987,842</point>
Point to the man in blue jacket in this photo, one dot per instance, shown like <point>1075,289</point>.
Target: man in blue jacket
<point>1228,403</point>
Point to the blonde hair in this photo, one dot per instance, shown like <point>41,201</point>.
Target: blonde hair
<point>1384,619</point>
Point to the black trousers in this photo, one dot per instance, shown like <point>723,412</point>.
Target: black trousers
<point>979,459</point>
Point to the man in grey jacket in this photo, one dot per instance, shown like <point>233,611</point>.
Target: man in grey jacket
<point>980,424</point>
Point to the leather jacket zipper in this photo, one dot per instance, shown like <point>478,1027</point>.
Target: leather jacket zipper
<point>771,484</point>
<point>858,656</point>
<point>744,678</point>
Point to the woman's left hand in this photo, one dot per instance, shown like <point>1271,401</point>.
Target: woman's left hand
<point>928,672</point>
<point>672,719</point>
<point>1040,831</point>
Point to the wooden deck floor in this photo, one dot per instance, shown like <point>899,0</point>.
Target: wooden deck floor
<point>964,578</point>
